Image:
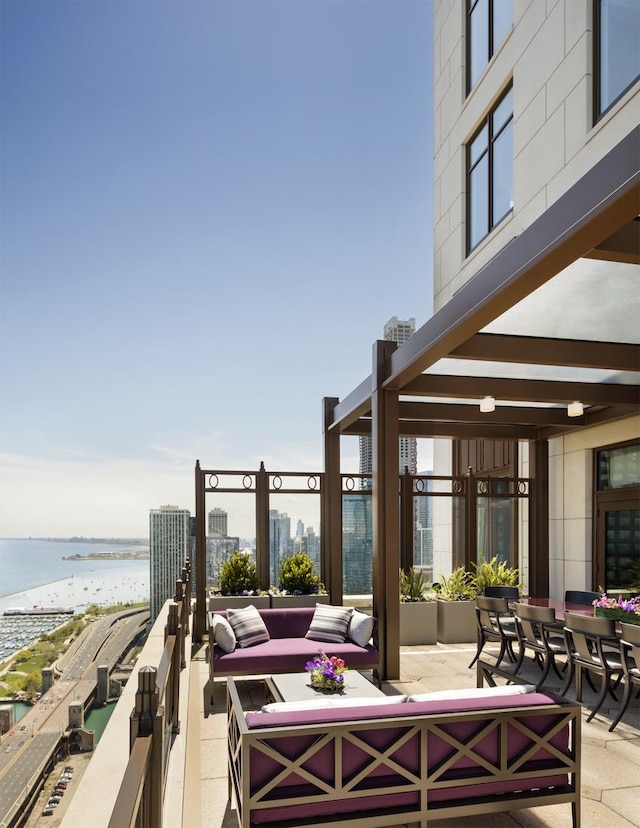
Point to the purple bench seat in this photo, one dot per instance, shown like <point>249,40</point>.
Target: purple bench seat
<point>287,650</point>
<point>405,762</point>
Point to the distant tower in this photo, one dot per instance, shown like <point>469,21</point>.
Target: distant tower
<point>280,543</point>
<point>218,520</point>
<point>168,548</point>
<point>396,330</point>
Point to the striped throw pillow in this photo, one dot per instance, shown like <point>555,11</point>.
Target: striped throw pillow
<point>329,623</point>
<point>248,626</point>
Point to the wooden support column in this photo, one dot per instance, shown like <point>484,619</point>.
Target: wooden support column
<point>386,513</point>
<point>539,519</point>
<point>262,527</point>
<point>200,621</point>
<point>331,508</point>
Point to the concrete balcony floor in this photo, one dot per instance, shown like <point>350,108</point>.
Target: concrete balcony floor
<point>610,761</point>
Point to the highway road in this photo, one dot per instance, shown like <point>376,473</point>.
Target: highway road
<point>25,750</point>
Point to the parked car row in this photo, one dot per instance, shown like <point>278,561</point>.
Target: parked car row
<point>58,791</point>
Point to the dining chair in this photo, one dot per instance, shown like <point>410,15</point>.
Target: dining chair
<point>630,646</point>
<point>501,592</point>
<point>579,596</point>
<point>495,623</point>
<point>539,631</point>
<point>595,649</point>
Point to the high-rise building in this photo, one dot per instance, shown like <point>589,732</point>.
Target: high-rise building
<point>423,554</point>
<point>280,543</point>
<point>357,537</point>
<point>218,522</point>
<point>395,330</point>
<point>169,531</point>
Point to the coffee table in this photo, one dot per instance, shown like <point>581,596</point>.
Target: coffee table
<point>297,687</point>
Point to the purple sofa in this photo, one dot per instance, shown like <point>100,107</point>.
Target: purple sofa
<point>287,651</point>
<point>402,763</point>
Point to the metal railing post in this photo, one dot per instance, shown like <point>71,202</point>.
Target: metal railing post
<point>145,720</point>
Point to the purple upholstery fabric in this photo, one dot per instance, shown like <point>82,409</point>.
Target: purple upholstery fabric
<point>465,776</point>
<point>285,623</point>
<point>290,654</point>
<point>288,650</point>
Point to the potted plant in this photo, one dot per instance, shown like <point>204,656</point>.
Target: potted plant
<point>418,609</point>
<point>495,573</point>
<point>239,585</point>
<point>456,607</point>
<point>298,583</point>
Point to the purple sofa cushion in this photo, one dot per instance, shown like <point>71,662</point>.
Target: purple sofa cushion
<point>290,654</point>
<point>285,623</point>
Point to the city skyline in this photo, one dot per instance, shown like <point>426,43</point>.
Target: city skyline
<point>208,212</point>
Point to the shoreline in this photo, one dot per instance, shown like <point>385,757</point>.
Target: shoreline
<point>39,586</point>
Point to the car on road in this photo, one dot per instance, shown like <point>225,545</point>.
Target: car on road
<point>47,812</point>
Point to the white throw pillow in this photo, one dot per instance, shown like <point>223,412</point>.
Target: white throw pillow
<point>329,623</point>
<point>360,628</point>
<point>223,634</point>
<point>331,701</point>
<point>473,693</point>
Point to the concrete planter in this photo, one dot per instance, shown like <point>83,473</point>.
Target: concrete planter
<point>418,623</point>
<point>223,602</point>
<point>456,622</point>
<point>283,601</point>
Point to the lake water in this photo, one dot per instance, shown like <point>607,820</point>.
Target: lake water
<point>98,718</point>
<point>33,572</point>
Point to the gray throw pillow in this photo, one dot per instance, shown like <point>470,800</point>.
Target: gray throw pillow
<point>329,623</point>
<point>248,626</point>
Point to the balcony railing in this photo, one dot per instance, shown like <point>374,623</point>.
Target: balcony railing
<point>154,721</point>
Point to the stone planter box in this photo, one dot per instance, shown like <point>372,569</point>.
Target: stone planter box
<point>418,623</point>
<point>283,601</point>
<point>223,602</point>
<point>457,622</point>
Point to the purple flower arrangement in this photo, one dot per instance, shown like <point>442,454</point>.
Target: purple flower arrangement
<point>326,673</point>
<point>620,609</point>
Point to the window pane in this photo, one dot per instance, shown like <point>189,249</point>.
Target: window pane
<point>502,112</point>
<point>502,174</point>
<point>619,51</point>
<point>478,202</point>
<point>478,40</point>
<point>502,21</point>
<point>619,467</point>
<point>478,145</point>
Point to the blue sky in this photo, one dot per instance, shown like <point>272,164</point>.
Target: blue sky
<point>208,212</point>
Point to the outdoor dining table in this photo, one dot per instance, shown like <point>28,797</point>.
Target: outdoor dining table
<point>558,605</point>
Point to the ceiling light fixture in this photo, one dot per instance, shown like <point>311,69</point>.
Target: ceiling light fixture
<point>575,409</point>
<point>487,405</point>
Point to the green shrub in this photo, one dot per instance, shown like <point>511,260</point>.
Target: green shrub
<point>495,573</point>
<point>459,586</point>
<point>413,587</point>
<point>238,575</point>
<point>297,575</point>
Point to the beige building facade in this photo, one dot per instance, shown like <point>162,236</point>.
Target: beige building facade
<point>566,72</point>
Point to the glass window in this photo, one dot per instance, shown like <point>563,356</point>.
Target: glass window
<point>619,467</point>
<point>617,54</point>
<point>488,23</point>
<point>490,172</point>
